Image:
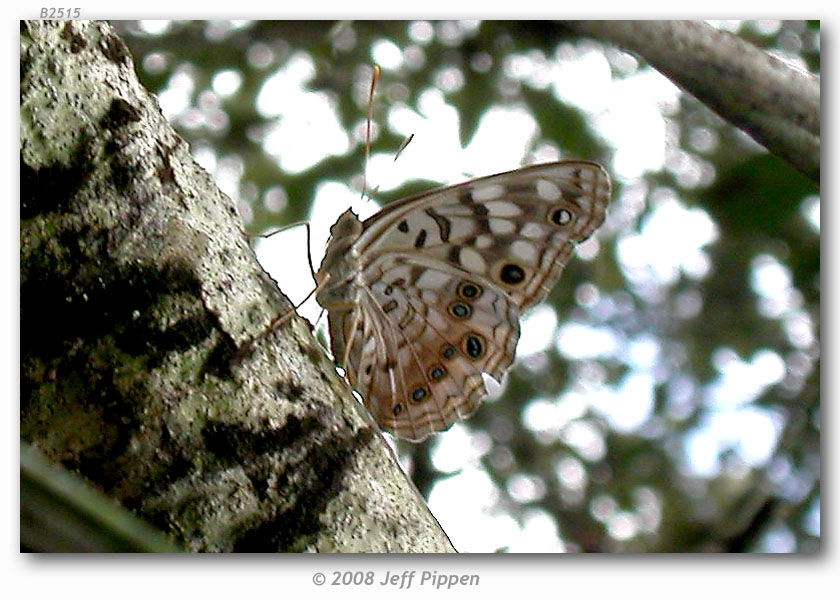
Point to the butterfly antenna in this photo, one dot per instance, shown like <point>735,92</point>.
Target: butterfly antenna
<point>308,241</point>
<point>309,256</point>
<point>278,230</point>
<point>374,79</point>
<point>282,318</point>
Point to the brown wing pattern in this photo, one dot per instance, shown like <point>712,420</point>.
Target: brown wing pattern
<point>441,280</point>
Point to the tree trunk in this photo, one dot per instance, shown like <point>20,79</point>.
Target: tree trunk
<point>138,293</point>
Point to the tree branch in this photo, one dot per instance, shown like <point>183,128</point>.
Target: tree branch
<point>776,104</point>
<point>137,290</point>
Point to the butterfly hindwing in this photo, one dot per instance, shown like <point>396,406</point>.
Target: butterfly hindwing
<point>444,328</point>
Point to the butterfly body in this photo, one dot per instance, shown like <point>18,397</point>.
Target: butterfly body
<point>426,295</point>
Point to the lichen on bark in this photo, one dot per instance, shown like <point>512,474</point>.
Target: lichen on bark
<point>138,292</point>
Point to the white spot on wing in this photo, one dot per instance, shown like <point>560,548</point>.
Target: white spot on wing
<point>525,251</point>
<point>483,241</point>
<point>472,260</point>
<point>369,345</point>
<point>487,192</point>
<point>534,231</point>
<point>431,279</point>
<point>547,190</point>
<point>563,217</point>
<point>501,226</point>
<point>500,208</point>
<point>436,320</point>
<point>585,203</point>
<point>460,227</point>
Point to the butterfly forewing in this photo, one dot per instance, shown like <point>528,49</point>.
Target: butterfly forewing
<point>430,292</point>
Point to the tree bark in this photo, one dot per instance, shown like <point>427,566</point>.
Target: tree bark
<point>776,104</point>
<point>138,293</point>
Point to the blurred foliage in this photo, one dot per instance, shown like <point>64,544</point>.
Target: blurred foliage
<point>755,200</point>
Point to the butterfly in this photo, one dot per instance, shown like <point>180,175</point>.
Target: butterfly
<point>426,295</point>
